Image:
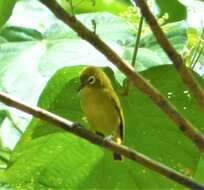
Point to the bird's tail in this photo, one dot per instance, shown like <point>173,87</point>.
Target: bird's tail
<point>117,156</point>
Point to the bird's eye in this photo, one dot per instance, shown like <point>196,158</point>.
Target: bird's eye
<point>91,79</point>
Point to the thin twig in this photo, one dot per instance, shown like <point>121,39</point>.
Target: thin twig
<point>98,140</point>
<point>135,51</point>
<point>136,79</point>
<point>177,60</point>
<point>137,42</point>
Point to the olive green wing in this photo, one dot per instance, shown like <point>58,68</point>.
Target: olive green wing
<point>116,102</point>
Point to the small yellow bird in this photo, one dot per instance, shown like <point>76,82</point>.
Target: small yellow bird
<point>101,105</point>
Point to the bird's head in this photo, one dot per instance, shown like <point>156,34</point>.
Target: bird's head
<point>92,77</point>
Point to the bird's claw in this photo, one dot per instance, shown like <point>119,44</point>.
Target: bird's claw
<point>108,138</point>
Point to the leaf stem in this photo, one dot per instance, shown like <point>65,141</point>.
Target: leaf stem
<point>126,83</point>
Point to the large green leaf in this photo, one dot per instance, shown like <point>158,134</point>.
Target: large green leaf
<point>48,157</point>
<point>175,10</point>
<point>6,8</point>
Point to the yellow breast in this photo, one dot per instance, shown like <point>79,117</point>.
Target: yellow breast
<point>100,111</point>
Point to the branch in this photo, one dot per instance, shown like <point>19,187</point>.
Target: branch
<point>98,140</point>
<point>177,60</point>
<point>137,80</point>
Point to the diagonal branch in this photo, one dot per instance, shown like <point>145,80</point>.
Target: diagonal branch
<point>98,140</point>
<point>177,60</point>
<point>137,80</point>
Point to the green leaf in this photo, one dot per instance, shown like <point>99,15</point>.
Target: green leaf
<point>9,131</point>
<point>150,53</point>
<point>53,158</point>
<point>175,10</point>
<point>6,8</point>
<point>176,34</point>
<point>3,114</point>
<point>4,158</point>
<point>87,6</point>
<point>146,58</point>
<point>199,175</point>
<point>16,34</point>
<point>104,21</point>
<point>193,37</point>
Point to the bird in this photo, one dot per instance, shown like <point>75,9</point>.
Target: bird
<point>101,105</point>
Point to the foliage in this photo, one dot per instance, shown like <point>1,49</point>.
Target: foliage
<point>195,46</point>
<point>40,61</point>
<point>175,10</point>
<point>51,155</point>
<point>6,8</point>
<point>150,53</point>
<point>84,6</point>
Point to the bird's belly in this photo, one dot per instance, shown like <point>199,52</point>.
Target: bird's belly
<point>101,113</point>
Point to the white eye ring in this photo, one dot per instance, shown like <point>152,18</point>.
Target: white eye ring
<point>91,79</point>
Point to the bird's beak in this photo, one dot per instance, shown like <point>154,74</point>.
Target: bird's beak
<point>82,85</point>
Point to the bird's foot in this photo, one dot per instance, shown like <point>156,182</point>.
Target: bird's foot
<point>108,138</point>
